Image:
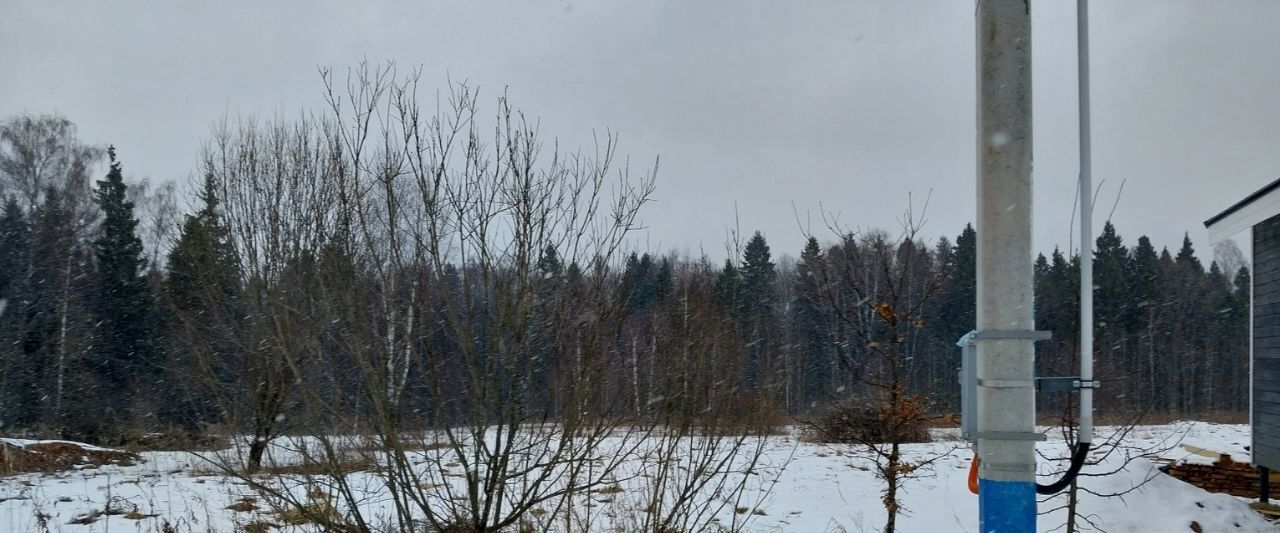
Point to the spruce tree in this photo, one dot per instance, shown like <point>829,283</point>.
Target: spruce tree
<point>17,398</point>
<point>573,276</point>
<point>1237,336</point>
<point>203,268</point>
<point>663,281</point>
<point>1187,256</point>
<point>1166,262</point>
<point>1143,278</point>
<point>1111,289</point>
<point>640,280</point>
<point>202,297</point>
<point>124,356</point>
<point>1040,281</point>
<point>758,276</point>
<point>549,265</point>
<point>728,288</point>
<point>1040,270</point>
<point>1111,306</point>
<point>818,367</point>
<point>959,301</point>
<point>1189,329</point>
<point>1217,279</point>
<point>1242,283</point>
<point>14,239</point>
<point>1219,356</point>
<point>756,310</point>
<point>1146,283</point>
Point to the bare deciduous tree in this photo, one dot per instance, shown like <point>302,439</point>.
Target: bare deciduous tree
<point>406,305</point>
<point>157,210</point>
<point>43,162</point>
<point>879,288</point>
<point>277,184</point>
<point>41,152</point>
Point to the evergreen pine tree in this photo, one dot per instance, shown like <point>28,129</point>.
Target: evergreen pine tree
<point>633,275</point>
<point>1166,261</point>
<point>1189,327</point>
<point>663,281</point>
<point>1112,309</point>
<point>1040,280</point>
<point>1187,256</point>
<point>17,401</point>
<point>1220,324</point>
<point>549,265</point>
<point>728,287</point>
<point>202,294</point>
<point>14,238</point>
<point>1237,337</point>
<point>1111,288</point>
<point>1143,279</point>
<point>1242,283</point>
<point>573,275</point>
<point>1217,279</point>
<point>758,275</point>
<point>1146,284</point>
<point>957,312</point>
<point>1040,270</point>
<point>640,279</point>
<point>1057,296</point>
<point>124,356</point>
<point>817,364</point>
<point>203,268</point>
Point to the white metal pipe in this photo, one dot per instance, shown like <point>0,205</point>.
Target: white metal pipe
<point>1006,399</point>
<point>1086,226</point>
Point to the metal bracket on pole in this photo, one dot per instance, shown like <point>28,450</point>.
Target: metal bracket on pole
<point>1016,468</point>
<point>1010,435</point>
<point>969,381</point>
<point>1006,383</point>
<point>996,334</point>
<point>1065,384</point>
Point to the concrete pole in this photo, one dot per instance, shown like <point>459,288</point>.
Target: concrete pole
<point>1006,399</point>
<point>1086,225</point>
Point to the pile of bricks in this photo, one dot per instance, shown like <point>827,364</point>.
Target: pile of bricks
<point>1224,475</point>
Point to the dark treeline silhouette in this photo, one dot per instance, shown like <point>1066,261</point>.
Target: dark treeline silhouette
<point>298,283</point>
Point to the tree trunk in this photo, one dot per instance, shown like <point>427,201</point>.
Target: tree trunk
<point>1072,501</point>
<point>62,342</point>
<point>256,449</point>
<point>635,377</point>
<point>891,489</point>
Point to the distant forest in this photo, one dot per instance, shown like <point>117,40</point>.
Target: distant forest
<point>333,278</point>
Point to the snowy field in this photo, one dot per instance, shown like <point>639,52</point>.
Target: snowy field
<point>800,487</point>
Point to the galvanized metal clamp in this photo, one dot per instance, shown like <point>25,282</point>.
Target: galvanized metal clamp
<point>1065,384</point>
<point>1011,334</point>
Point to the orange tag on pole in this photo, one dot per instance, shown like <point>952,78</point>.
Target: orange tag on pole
<point>973,474</point>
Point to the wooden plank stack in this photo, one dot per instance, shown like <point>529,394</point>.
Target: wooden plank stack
<point>1224,475</point>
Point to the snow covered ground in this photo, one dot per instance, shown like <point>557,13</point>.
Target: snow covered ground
<point>822,488</point>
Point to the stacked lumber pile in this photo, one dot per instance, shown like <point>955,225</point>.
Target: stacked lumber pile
<point>1224,475</point>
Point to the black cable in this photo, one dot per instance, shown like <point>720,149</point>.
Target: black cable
<point>1077,462</point>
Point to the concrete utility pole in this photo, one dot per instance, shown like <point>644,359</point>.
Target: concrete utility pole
<point>1006,393</point>
<point>1086,224</point>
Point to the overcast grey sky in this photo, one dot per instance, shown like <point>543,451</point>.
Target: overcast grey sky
<point>847,104</point>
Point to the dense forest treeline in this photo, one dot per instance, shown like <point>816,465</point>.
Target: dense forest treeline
<point>319,280</point>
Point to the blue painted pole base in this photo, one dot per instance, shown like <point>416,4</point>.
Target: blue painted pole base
<point>1006,506</point>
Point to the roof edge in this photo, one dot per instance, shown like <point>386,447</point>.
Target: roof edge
<point>1242,203</point>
